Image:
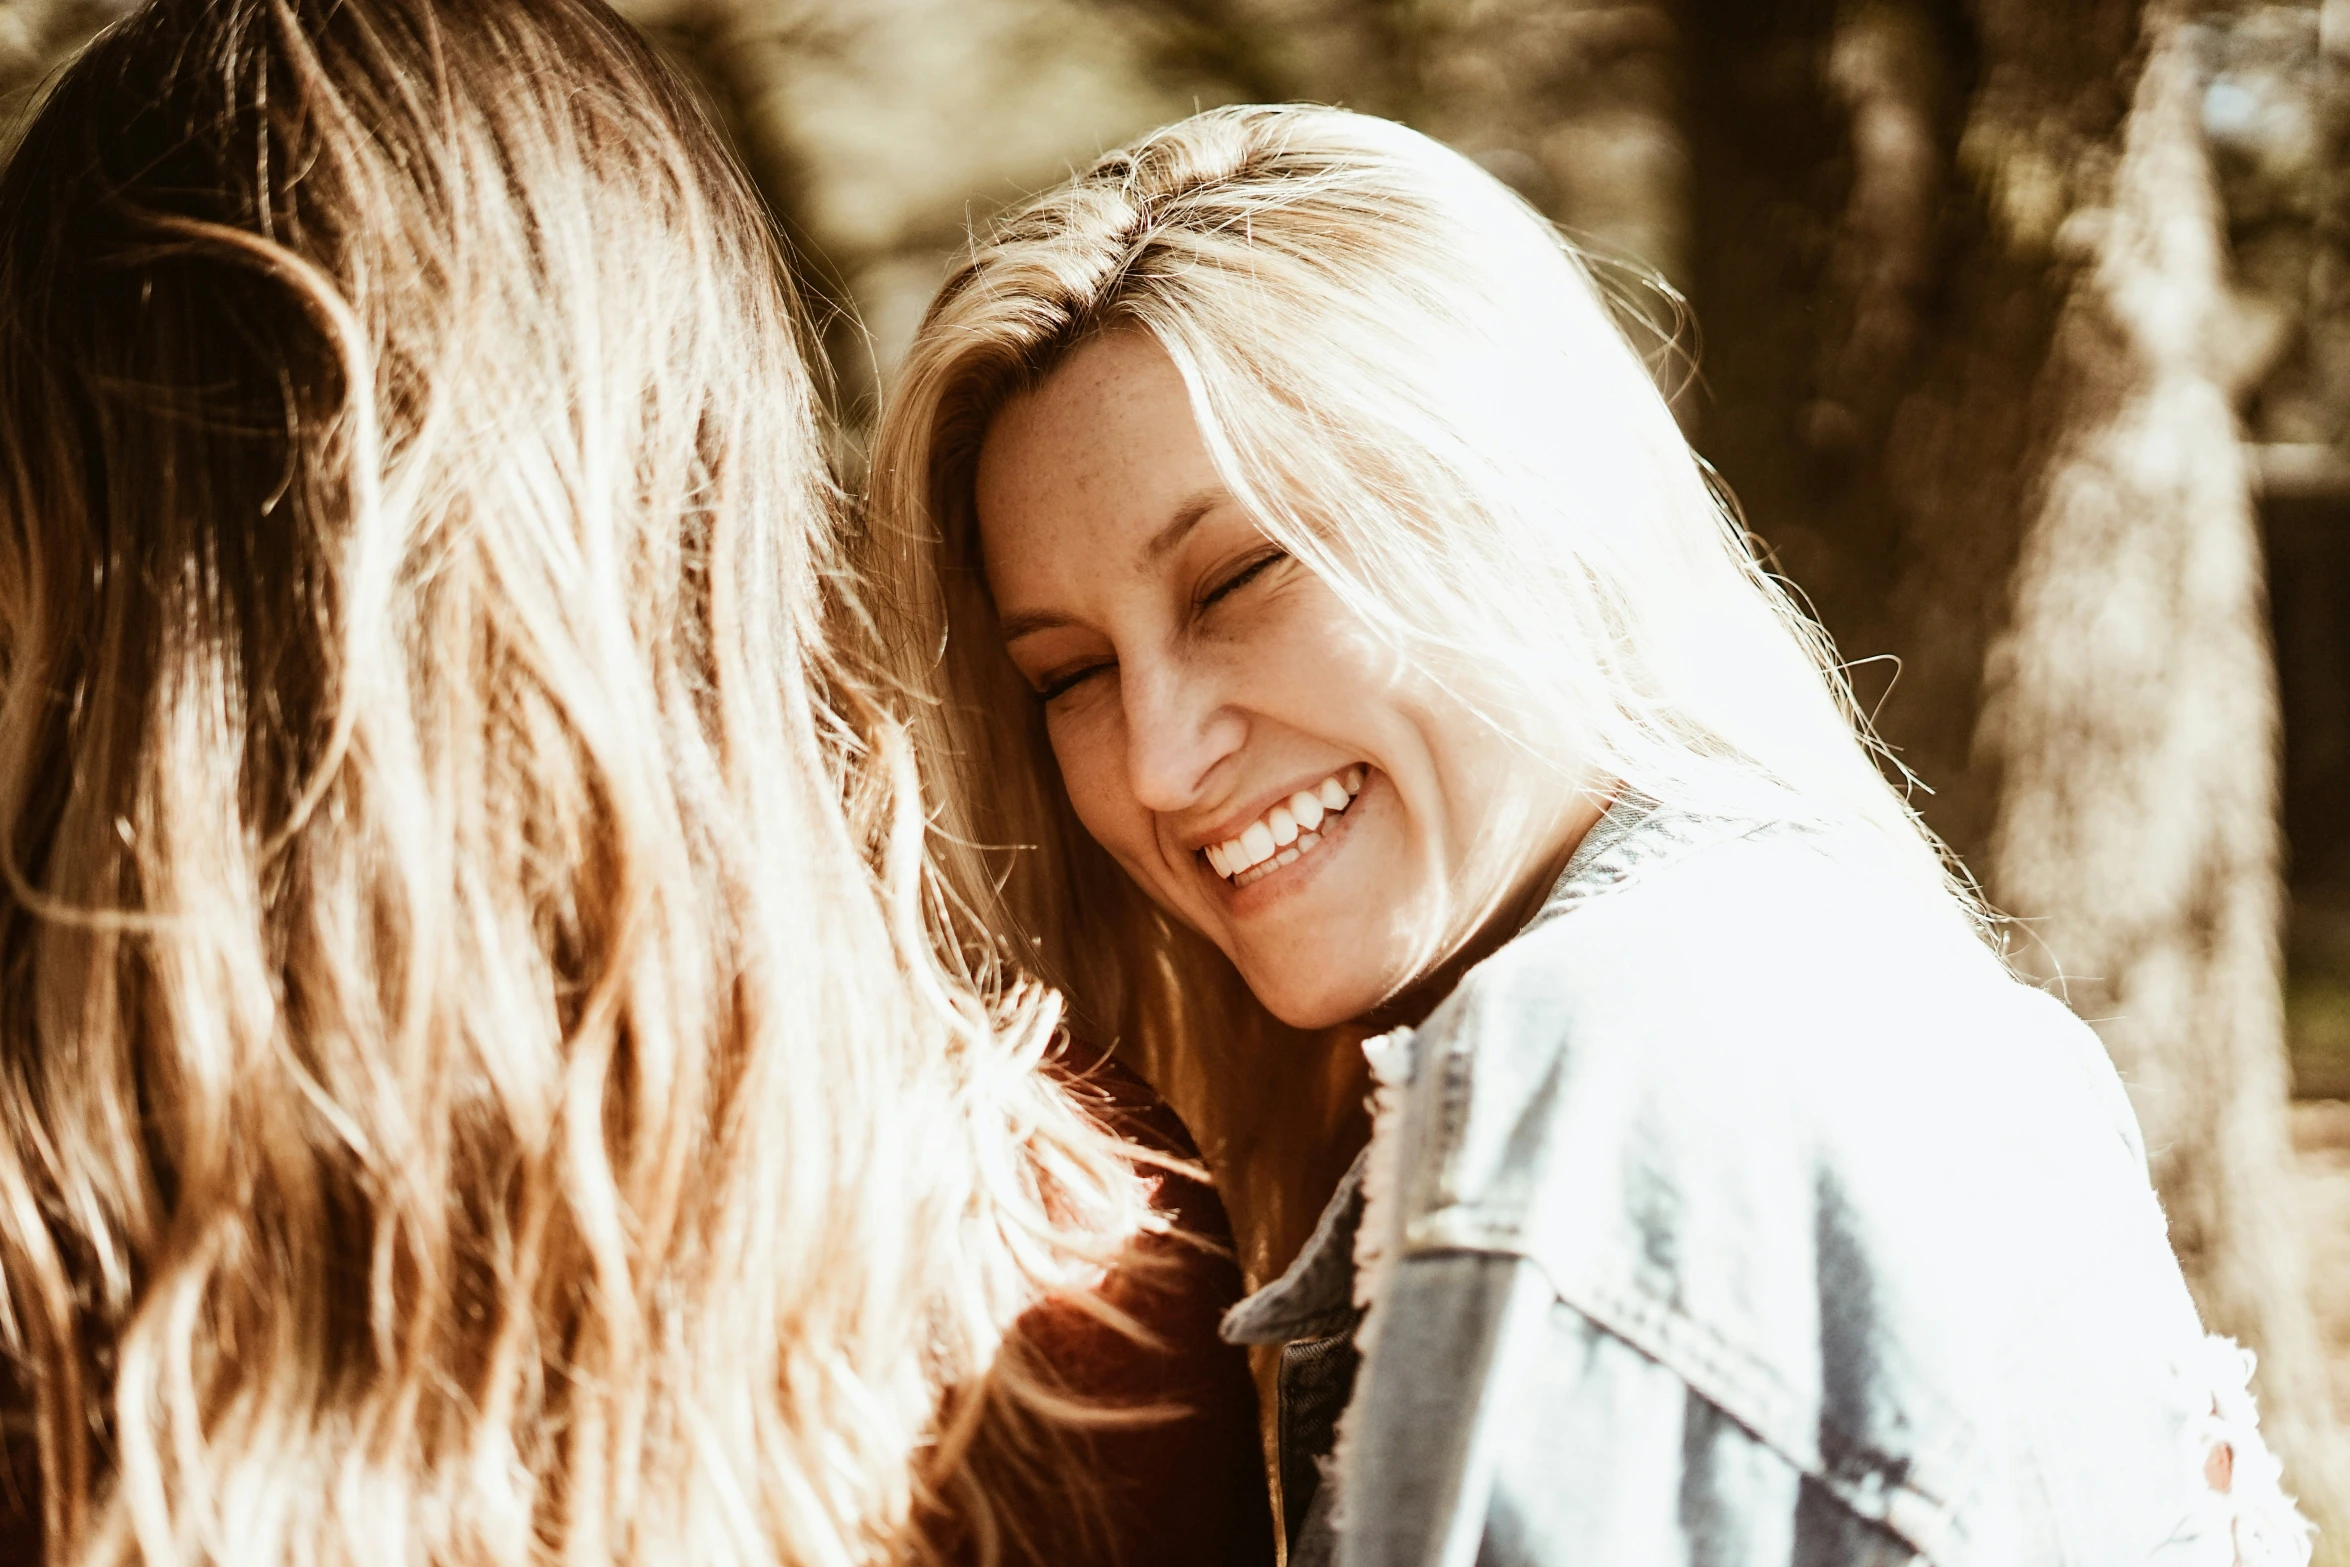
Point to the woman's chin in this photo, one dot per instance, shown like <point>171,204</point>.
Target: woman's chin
<point>1314,990</point>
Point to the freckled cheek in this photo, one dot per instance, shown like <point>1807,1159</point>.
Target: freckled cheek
<point>1315,655</point>
<point>1093,772</point>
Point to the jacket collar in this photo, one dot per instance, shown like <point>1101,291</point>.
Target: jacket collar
<point>1315,1297</point>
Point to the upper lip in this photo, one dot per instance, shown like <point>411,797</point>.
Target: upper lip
<point>1237,823</point>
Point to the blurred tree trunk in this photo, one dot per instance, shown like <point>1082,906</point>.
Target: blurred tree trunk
<point>2133,705</point>
<point>1975,360</point>
<point>1873,330</point>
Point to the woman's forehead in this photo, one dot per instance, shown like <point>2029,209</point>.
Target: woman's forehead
<point>1103,457</point>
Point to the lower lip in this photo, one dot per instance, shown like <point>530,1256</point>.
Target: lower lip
<point>1290,878</point>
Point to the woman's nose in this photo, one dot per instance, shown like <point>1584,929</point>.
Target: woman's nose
<point>1179,726</point>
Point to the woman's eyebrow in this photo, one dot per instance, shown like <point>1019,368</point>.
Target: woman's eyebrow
<point>1019,626</point>
<point>1179,526</point>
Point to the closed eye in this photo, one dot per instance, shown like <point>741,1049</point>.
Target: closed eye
<point>1068,680</point>
<point>1247,574</point>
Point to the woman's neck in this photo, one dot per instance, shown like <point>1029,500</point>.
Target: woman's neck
<point>1410,1007</point>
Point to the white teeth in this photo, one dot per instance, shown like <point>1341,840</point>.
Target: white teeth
<point>1288,830</point>
<point>1306,844</point>
<point>1307,810</point>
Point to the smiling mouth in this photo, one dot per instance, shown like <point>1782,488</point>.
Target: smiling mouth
<point>1286,833</point>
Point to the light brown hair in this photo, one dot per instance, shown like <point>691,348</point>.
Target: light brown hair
<point>478,1080</point>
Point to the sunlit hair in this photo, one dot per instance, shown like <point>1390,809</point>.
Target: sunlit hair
<point>477,1080</point>
<point>1414,386</point>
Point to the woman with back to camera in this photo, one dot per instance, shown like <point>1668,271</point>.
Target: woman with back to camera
<point>477,1084</point>
<point>1329,598</point>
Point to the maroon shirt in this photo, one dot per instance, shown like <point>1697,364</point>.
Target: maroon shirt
<point>1171,1493</point>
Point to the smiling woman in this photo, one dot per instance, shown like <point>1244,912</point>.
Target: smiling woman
<point>1300,447</point>
<point>1335,618</point>
<point>1249,750</point>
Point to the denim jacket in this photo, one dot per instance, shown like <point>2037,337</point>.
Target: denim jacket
<point>1745,1209</point>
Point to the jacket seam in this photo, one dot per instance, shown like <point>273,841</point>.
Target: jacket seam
<point>1870,1484</point>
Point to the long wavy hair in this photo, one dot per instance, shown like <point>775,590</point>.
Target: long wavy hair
<point>1416,387</point>
<point>479,1080</point>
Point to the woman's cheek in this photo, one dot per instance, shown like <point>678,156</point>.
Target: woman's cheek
<point>1093,773</point>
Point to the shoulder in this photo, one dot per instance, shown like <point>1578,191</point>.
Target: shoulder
<point>1774,971</point>
<point>1720,952</point>
<point>1710,1000</point>
<point>1700,998</point>
<point>1768,1115</point>
<point>1715,902</point>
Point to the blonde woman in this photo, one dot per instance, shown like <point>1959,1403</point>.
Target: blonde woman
<point>477,1080</point>
<point>1330,601</point>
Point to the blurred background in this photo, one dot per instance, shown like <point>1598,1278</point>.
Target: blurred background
<point>2022,334</point>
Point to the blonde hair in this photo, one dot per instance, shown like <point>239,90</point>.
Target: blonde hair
<point>1414,385</point>
<point>478,1079</point>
